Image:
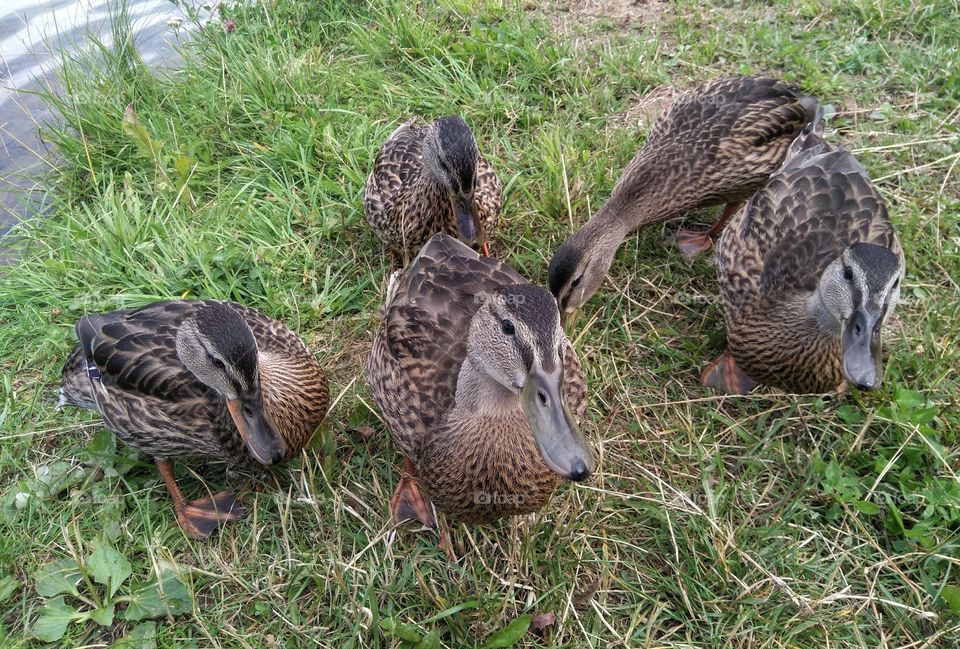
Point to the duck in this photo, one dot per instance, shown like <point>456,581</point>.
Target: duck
<point>430,178</point>
<point>479,387</point>
<point>716,144</point>
<point>207,379</point>
<point>809,272</point>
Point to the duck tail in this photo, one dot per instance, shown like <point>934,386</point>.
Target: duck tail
<point>810,140</point>
<point>392,284</point>
<point>76,389</point>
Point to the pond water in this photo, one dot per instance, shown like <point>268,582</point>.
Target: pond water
<point>34,35</point>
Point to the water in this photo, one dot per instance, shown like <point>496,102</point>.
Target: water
<point>34,35</point>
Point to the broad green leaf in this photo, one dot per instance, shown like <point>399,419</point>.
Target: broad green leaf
<point>104,615</point>
<point>909,399</point>
<point>54,618</point>
<point>108,567</point>
<point>147,147</point>
<point>143,636</point>
<point>951,595</point>
<point>54,478</point>
<point>510,634</point>
<point>850,414</point>
<point>405,632</point>
<point>181,167</point>
<point>101,451</point>
<point>58,577</point>
<point>867,507</point>
<point>832,472</point>
<point>430,641</point>
<point>158,597</point>
<point>8,586</point>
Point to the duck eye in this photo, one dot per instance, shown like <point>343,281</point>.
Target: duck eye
<point>896,282</point>
<point>847,273</point>
<point>507,327</point>
<point>219,364</point>
<point>575,283</point>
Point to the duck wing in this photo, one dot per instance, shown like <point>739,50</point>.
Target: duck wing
<point>134,351</point>
<point>398,163</point>
<point>818,204</point>
<point>421,345</point>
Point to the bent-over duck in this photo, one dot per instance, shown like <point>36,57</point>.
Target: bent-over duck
<point>716,144</point>
<point>430,178</point>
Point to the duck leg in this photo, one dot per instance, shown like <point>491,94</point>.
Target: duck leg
<point>723,374</point>
<point>446,544</point>
<point>200,517</point>
<point>485,249</point>
<point>396,260</point>
<point>692,243</point>
<point>408,501</point>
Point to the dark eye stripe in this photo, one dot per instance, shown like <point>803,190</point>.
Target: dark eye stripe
<point>526,353</point>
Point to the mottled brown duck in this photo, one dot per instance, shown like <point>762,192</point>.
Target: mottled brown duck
<point>479,386</point>
<point>715,145</point>
<point>198,379</point>
<point>430,178</point>
<point>810,271</point>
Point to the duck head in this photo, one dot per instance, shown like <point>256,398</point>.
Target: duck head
<point>217,346</point>
<point>450,155</point>
<point>515,339</point>
<point>855,294</point>
<point>580,264</point>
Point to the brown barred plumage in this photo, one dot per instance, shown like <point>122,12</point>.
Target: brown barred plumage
<point>405,204</point>
<point>413,371</point>
<point>156,405</point>
<point>773,253</point>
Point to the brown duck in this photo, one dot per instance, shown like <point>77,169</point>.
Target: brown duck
<point>717,144</point>
<point>810,270</point>
<point>479,386</point>
<point>198,379</point>
<point>429,178</point>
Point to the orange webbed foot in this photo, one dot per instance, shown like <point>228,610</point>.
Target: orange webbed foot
<point>692,243</point>
<point>201,517</point>
<point>410,503</point>
<point>723,374</point>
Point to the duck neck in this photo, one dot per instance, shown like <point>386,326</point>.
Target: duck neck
<point>286,385</point>
<point>792,343</point>
<point>804,315</point>
<point>482,462</point>
<point>479,395</point>
<point>817,314</point>
<point>483,423</point>
<point>645,194</point>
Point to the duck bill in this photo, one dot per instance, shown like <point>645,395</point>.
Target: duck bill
<point>468,224</point>
<point>860,344</point>
<point>561,445</point>
<point>259,437</point>
<point>567,319</point>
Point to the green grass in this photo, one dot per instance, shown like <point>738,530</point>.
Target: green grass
<point>766,521</point>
